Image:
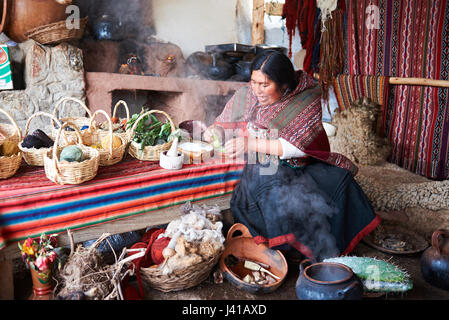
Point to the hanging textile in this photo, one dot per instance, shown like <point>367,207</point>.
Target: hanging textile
<point>349,88</point>
<point>396,38</point>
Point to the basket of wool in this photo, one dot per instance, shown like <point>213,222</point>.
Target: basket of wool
<point>356,136</point>
<point>185,252</point>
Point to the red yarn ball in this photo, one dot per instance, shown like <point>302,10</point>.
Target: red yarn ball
<point>156,249</point>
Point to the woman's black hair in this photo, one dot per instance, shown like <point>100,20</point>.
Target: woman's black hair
<point>277,66</point>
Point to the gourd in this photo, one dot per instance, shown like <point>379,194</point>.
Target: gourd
<point>71,154</point>
<point>105,141</point>
<point>8,148</point>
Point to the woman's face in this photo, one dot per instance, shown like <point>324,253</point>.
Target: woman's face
<point>266,90</point>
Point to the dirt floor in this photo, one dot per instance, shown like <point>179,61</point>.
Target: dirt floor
<point>208,290</point>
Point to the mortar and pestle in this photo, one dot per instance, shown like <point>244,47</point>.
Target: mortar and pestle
<point>172,159</point>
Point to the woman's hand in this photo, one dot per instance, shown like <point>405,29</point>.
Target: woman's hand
<point>236,147</point>
<point>208,135</point>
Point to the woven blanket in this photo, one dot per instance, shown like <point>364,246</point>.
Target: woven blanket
<point>406,39</point>
<point>30,204</point>
<point>349,88</point>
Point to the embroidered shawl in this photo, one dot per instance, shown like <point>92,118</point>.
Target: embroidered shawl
<point>296,117</point>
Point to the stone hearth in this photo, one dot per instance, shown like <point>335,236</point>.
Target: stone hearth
<point>50,73</point>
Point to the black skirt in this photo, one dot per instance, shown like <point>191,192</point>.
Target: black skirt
<point>318,209</point>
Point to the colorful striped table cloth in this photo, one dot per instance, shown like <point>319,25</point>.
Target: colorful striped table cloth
<point>30,204</point>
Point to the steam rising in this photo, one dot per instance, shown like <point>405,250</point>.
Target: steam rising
<point>306,210</point>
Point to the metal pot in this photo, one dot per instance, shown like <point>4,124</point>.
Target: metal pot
<point>107,28</point>
<point>243,68</point>
<point>327,281</point>
<point>220,69</point>
<point>435,260</point>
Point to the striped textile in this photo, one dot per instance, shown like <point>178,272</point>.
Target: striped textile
<point>349,88</point>
<point>410,38</point>
<point>30,204</point>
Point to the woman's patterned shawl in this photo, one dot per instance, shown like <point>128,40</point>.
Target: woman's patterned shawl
<point>296,117</point>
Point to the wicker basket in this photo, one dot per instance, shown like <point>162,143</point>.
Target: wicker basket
<point>111,156</point>
<point>57,32</point>
<point>71,172</point>
<point>78,121</point>
<point>10,165</point>
<point>149,153</point>
<point>33,156</point>
<point>179,279</point>
<point>124,135</point>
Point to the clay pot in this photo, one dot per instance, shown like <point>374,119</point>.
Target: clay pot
<point>435,260</point>
<point>20,16</point>
<point>327,281</point>
<point>243,246</point>
<point>195,128</point>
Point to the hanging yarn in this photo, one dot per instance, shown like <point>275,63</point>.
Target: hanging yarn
<point>331,52</point>
<point>290,14</point>
<point>303,15</point>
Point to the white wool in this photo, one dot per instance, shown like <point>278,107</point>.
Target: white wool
<point>194,227</point>
<point>326,7</point>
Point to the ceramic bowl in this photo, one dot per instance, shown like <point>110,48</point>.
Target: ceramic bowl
<point>243,247</point>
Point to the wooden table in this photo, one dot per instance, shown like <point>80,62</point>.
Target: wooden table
<point>130,195</point>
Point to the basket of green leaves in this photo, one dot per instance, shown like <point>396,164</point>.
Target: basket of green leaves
<point>149,136</point>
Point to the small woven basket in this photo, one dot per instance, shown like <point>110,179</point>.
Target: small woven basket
<point>149,153</point>
<point>10,165</point>
<point>71,172</point>
<point>33,156</point>
<point>124,135</point>
<point>113,155</point>
<point>179,279</point>
<point>78,121</point>
<point>57,32</point>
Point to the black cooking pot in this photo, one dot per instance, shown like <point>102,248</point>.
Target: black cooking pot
<point>107,27</point>
<point>243,68</point>
<point>220,69</point>
<point>327,281</point>
<point>435,260</point>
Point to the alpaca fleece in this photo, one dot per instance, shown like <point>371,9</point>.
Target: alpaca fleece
<point>356,136</point>
<point>390,188</point>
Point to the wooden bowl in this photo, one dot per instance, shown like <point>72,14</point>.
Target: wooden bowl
<point>243,247</point>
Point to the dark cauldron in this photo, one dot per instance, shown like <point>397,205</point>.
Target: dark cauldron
<point>327,281</point>
<point>435,260</point>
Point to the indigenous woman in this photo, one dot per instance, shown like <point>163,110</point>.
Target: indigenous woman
<point>294,194</point>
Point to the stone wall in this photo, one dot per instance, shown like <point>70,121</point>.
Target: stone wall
<point>50,73</point>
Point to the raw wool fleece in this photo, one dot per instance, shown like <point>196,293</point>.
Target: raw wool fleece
<point>390,188</point>
<point>356,136</point>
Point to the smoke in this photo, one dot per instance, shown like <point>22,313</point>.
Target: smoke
<point>304,209</point>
